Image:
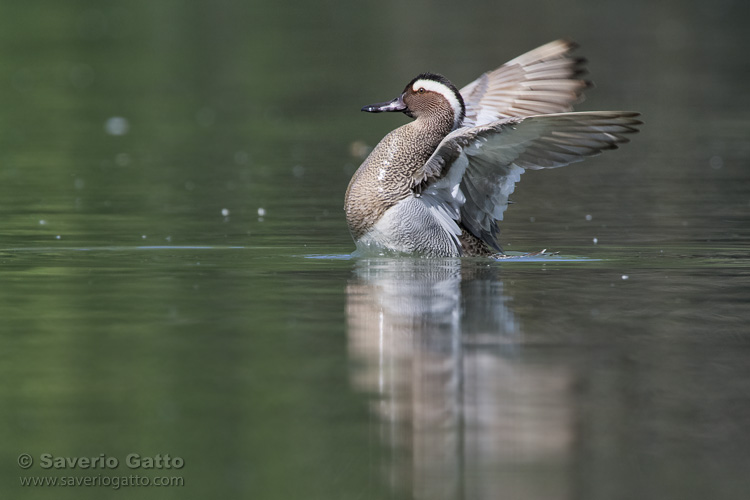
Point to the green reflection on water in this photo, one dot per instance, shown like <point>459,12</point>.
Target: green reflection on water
<point>232,350</point>
<point>183,353</point>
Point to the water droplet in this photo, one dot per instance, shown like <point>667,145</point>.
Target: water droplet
<point>625,276</point>
<point>122,159</point>
<point>716,162</point>
<point>225,212</point>
<point>359,149</point>
<point>596,240</point>
<point>588,217</point>
<point>117,125</point>
<point>261,211</point>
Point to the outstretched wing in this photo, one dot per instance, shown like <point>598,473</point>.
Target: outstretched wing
<point>474,170</point>
<point>545,80</point>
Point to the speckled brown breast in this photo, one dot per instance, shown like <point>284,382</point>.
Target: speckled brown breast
<point>384,178</point>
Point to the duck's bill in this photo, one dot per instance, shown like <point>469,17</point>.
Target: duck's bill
<point>395,105</point>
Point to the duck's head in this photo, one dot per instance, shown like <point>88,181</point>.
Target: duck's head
<point>428,95</point>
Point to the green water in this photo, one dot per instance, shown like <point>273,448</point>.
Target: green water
<point>175,274</point>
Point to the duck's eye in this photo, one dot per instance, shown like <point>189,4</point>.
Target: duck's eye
<point>421,90</point>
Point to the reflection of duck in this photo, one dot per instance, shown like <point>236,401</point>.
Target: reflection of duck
<point>438,346</point>
<point>437,186</point>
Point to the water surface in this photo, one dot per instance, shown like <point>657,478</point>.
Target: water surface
<point>176,277</point>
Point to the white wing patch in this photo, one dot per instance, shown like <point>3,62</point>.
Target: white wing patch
<point>485,163</point>
<point>445,214</point>
<point>444,198</point>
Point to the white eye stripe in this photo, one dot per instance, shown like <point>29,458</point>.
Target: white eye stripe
<point>443,90</point>
<point>433,86</point>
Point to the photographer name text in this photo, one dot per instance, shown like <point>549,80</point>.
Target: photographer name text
<point>102,461</point>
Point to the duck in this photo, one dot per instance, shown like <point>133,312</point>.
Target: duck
<point>438,185</point>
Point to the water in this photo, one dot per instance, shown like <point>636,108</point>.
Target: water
<point>176,278</point>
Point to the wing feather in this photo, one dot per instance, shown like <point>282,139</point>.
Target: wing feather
<point>475,169</point>
<point>544,80</point>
